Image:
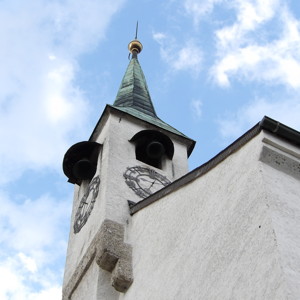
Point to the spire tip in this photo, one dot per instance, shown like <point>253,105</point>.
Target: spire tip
<point>135,46</point>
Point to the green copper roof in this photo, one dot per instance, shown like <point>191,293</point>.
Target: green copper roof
<point>155,121</point>
<point>134,99</point>
<point>133,91</point>
<point>152,120</point>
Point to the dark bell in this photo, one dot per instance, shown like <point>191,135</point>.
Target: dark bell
<point>155,149</point>
<point>84,169</point>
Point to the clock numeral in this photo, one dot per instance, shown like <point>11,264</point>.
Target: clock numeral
<point>144,181</point>
<point>86,204</point>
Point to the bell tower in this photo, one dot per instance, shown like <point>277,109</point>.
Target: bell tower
<point>130,155</point>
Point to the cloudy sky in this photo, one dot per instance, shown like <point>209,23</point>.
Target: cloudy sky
<point>214,69</point>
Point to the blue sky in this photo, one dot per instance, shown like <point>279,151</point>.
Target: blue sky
<point>214,68</point>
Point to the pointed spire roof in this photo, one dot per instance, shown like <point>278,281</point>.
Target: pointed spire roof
<point>134,98</point>
<point>133,91</point>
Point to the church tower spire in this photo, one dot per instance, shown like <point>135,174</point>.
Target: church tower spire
<point>133,92</point>
<point>134,98</point>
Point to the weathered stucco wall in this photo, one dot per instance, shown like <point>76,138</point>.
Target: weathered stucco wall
<point>111,203</point>
<point>230,234</point>
<point>94,278</point>
<point>281,174</point>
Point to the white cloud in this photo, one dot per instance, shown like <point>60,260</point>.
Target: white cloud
<point>19,230</point>
<point>10,280</point>
<point>251,14</point>
<point>186,58</point>
<point>242,56</point>
<point>51,293</point>
<point>196,106</point>
<point>40,106</point>
<point>32,242</point>
<point>18,284</point>
<point>198,8</point>
<point>285,111</point>
<point>28,262</point>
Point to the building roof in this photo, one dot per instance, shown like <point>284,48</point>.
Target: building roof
<point>134,98</point>
<point>278,129</point>
<point>145,118</point>
<point>133,91</point>
<point>155,121</point>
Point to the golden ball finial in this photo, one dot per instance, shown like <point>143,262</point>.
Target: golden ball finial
<point>135,46</point>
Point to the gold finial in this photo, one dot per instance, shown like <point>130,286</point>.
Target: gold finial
<point>135,46</point>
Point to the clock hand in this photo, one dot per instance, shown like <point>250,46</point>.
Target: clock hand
<point>143,179</point>
<point>152,184</point>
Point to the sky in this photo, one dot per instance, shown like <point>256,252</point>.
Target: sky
<point>214,68</point>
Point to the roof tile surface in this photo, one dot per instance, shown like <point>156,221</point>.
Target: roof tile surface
<point>133,91</point>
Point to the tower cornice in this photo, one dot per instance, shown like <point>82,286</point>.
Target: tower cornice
<point>155,121</point>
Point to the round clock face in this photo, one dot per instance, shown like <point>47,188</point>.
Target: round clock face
<point>144,181</point>
<point>86,204</point>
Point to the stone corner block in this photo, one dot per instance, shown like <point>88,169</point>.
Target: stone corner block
<point>114,255</point>
<point>122,277</point>
<point>110,241</point>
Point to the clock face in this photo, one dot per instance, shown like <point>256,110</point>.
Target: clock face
<point>86,204</point>
<point>144,181</point>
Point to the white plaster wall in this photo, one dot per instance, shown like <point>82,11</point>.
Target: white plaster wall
<point>117,154</point>
<point>95,284</point>
<point>121,156</point>
<point>79,243</point>
<point>283,190</point>
<point>212,239</point>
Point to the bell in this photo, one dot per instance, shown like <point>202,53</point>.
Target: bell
<point>84,169</point>
<point>155,149</point>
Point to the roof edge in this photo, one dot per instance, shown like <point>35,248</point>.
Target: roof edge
<point>108,108</point>
<point>280,130</point>
<point>167,127</point>
<point>266,123</point>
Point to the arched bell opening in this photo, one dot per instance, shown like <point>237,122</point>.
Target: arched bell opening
<point>151,147</point>
<point>80,161</point>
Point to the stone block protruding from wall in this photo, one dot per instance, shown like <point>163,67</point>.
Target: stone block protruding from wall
<point>113,255</point>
